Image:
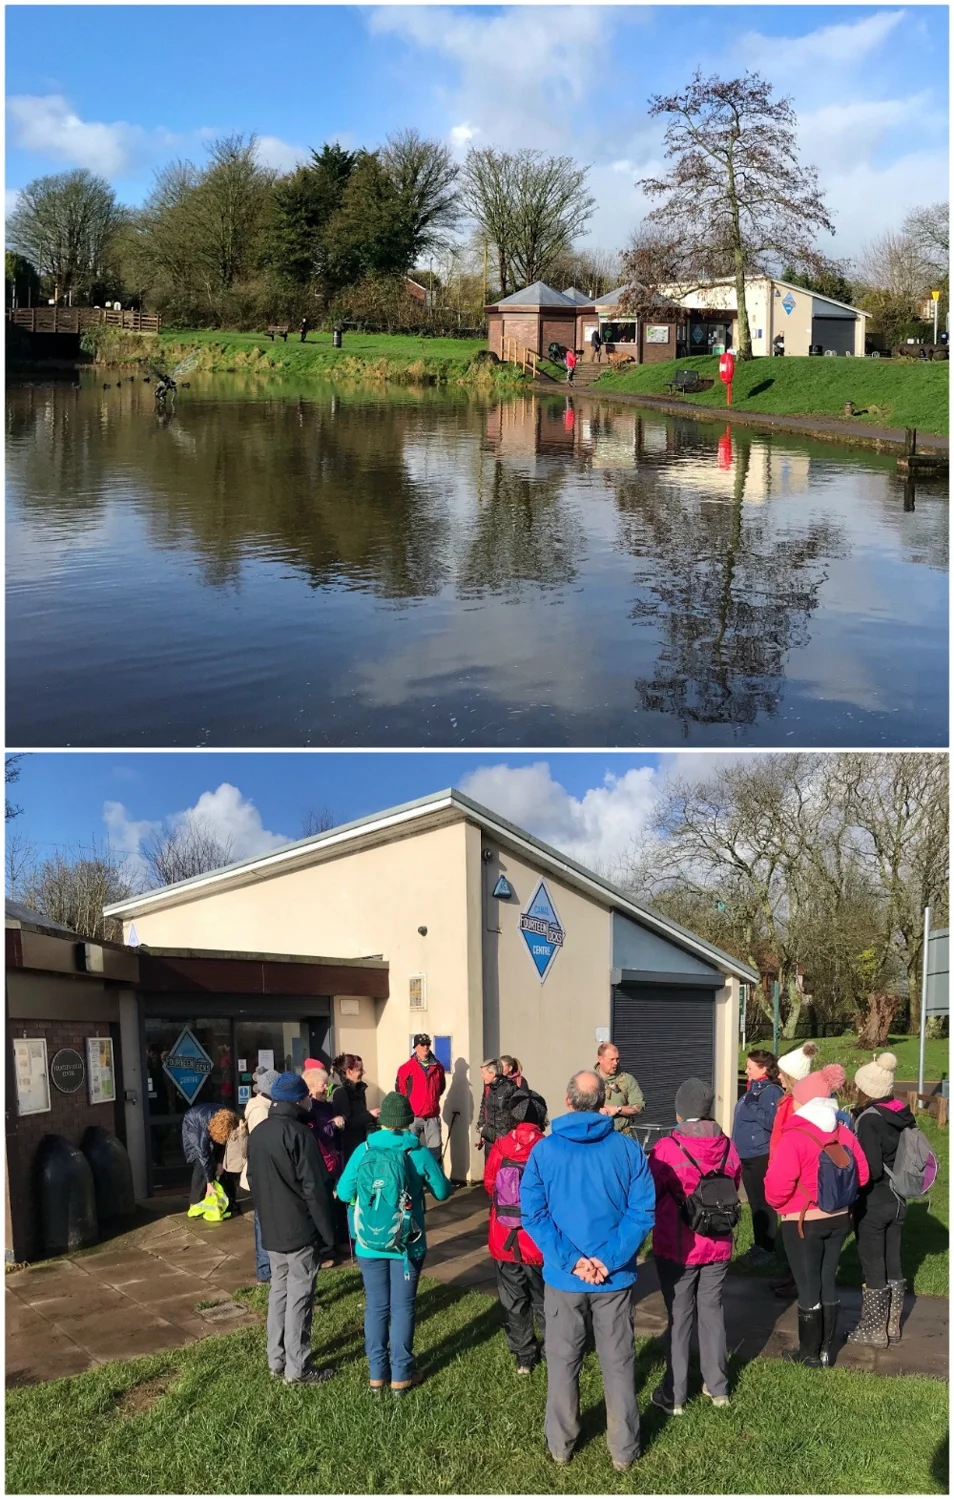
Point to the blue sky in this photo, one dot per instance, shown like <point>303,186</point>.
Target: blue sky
<point>593,806</point>
<point>869,83</point>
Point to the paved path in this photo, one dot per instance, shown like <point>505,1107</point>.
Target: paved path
<point>137,1294</point>
<point>826,428</point>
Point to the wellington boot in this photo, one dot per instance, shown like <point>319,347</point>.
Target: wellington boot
<point>896,1288</point>
<point>829,1341</point>
<point>809,1337</point>
<point>872,1328</point>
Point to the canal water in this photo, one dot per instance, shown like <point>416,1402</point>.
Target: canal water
<point>273,566</point>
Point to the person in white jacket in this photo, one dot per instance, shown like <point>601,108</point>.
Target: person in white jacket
<point>255,1111</point>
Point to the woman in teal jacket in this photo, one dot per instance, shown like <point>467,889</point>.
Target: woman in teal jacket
<point>390,1276</point>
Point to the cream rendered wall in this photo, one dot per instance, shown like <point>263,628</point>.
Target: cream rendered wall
<point>726,1053</point>
<point>549,1026</point>
<point>361,904</point>
<point>358,1033</point>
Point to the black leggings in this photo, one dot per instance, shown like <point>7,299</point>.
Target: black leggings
<point>814,1257</point>
<point>764,1222</point>
<point>879,1225</point>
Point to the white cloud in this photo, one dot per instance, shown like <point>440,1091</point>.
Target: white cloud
<point>278,154</point>
<point>462,135</point>
<point>847,46</point>
<point>49,126</point>
<point>234,820</point>
<point>10,201</point>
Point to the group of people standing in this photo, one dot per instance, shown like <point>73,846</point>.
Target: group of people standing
<point>570,1211</point>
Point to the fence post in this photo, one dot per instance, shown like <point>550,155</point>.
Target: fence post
<point>924,980</point>
<point>775,1016</point>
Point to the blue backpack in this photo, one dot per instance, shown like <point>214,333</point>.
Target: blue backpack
<point>837,1181</point>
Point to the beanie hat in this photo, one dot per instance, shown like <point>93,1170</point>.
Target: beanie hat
<point>265,1081</point>
<point>313,1062</point>
<point>289,1088</point>
<point>694,1099</point>
<point>876,1079</point>
<point>798,1064</point>
<point>821,1085</point>
<point>396,1112</point>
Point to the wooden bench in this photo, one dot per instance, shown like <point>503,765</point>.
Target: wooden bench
<point>938,1100</point>
<point>281,328</point>
<point>682,381</point>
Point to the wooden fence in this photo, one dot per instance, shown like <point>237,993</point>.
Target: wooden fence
<point>75,319</point>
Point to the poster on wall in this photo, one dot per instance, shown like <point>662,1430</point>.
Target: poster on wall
<point>100,1070</point>
<point>657,333</point>
<point>33,1084</point>
<point>542,930</point>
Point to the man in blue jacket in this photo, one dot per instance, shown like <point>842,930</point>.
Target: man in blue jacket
<point>588,1202</point>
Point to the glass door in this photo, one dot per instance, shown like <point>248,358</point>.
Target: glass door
<point>187,1062</point>
<point>282,1045</point>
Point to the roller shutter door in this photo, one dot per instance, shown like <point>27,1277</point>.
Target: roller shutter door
<point>834,333</point>
<point>664,1035</point>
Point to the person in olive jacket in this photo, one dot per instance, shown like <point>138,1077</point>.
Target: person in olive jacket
<point>751,1134</point>
<point>289,1183</point>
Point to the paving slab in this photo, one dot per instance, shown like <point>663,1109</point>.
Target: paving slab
<point>106,1337</point>
<point>30,1360</point>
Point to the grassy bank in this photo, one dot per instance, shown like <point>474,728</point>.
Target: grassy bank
<point>845,1050</point>
<point>886,393</point>
<point>363,357</point>
<point>208,1419</point>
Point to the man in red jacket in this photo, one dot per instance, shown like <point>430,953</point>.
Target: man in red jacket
<point>422,1082</point>
<point>518,1262</point>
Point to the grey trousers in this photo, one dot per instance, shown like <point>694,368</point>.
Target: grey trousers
<point>569,1315</point>
<point>429,1131</point>
<point>692,1292</point>
<point>290,1302</point>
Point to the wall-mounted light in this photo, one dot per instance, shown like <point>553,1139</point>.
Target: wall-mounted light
<point>486,855</point>
<point>422,931</point>
<point>503,889</point>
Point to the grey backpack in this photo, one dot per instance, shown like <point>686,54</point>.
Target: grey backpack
<point>915,1163</point>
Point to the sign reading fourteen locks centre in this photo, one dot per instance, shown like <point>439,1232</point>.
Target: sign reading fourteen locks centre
<point>542,930</point>
<point>188,1065</point>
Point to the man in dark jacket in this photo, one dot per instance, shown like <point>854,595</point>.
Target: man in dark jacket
<point>588,1202</point>
<point>288,1179</point>
<point>496,1105</point>
<point>421,1080</point>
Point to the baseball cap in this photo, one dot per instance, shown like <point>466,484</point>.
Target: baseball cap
<point>422,1039</point>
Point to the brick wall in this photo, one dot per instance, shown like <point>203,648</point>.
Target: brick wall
<point>525,329</point>
<point>70,1115</point>
<point>495,333</point>
<point>559,331</point>
<point>657,354</point>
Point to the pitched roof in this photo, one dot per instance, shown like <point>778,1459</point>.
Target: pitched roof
<point>538,295</point>
<point>24,916</point>
<point>575,295</point>
<point>421,810</point>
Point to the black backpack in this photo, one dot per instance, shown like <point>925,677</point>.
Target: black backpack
<point>713,1208</point>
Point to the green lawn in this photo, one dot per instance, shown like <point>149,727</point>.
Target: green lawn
<point>886,392</point>
<point>845,1050</point>
<point>925,1248</point>
<point>208,1419</point>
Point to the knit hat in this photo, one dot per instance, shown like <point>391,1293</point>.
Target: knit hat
<point>396,1112</point>
<point>694,1100</point>
<point>876,1079</point>
<point>265,1080</point>
<point>314,1062</point>
<point>798,1064</point>
<point>289,1088</point>
<point>821,1085</point>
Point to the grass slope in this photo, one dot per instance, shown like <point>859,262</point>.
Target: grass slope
<point>209,1419</point>
<point>886,392</point>
<point>845,1050</point>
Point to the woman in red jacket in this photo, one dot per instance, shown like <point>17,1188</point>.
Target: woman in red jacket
<point>691,1267</point>
<point>518,1261</point>
<point>814,1236</point>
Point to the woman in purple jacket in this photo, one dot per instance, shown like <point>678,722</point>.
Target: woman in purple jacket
<point>691,1267</point>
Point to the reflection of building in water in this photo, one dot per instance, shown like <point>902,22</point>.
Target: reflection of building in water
<point>769,473</point>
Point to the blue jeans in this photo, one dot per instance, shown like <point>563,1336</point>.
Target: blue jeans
<point>389,1304</point>
<point>263,1269</point>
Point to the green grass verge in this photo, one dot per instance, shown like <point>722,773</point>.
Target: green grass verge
<point>845,1050</point>
<point>886,392</point>
<point>364,356</point>
<point>209,1419</point>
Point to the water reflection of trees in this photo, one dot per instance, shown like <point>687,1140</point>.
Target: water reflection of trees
<point>521,534</point>
<point>728,590</point>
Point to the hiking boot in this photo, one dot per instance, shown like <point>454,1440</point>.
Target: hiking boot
<point>377,1387</point>
<point>277,1374</point>
<point>872,1327</point>
<point>716,1400</point>
<point>311,1376</point>
<point>829,1332</point>
<point>660,1399</point>
<point>524,1369</point>
<point>896,1288</point>
<point>401,1387</point>
<point>561,1459</point>
<point>809,1337</point>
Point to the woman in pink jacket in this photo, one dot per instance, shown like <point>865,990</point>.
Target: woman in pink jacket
<point>796,1179</point>
<point>691,1266</point>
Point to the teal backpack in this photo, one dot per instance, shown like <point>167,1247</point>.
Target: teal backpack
<point>384,1223</point>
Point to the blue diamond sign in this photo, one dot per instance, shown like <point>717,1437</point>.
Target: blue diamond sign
<point>788,302</point>
<point>542,931</point>
<point>188,1065</point>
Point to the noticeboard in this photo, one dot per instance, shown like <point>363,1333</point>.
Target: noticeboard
<point>33,1082</point>
<point>100,1070</point>
<point>938,996</point>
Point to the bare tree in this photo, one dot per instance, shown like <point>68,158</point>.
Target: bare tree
<point>425,176</point>
<point>738,197</point>
<point>895,263</point>
<point>63,224</point>
<point>529,206</point>
<point>73,886</point>
<point>11,774</point>
<point>317,820</point>
<point>181,850</point>
<point>930,230</point>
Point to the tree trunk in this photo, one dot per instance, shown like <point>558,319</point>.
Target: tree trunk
<point>795,1002</point>
<point>914,997</point>
<point>880,1011</point>
<point>738,255</point>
